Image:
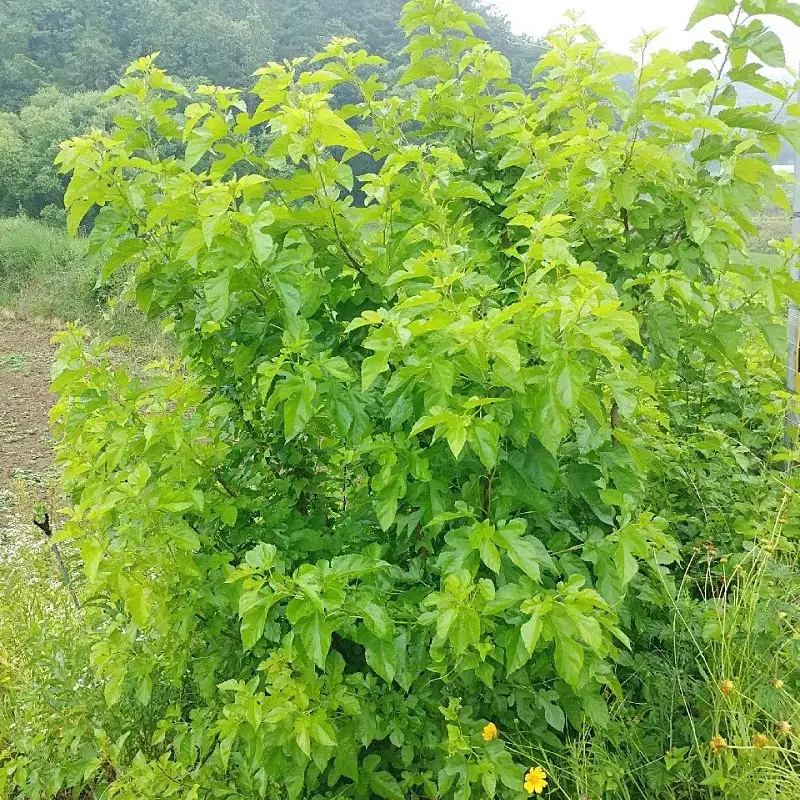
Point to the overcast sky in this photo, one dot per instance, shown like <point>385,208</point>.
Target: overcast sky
<point>619,21</point>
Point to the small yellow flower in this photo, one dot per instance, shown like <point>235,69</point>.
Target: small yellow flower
<point>718,744</point>
<point>781,615</point>
<point>778,683</point>
<point>726,687</point>
<point>760,740</point>
<point>784,727</point>
<point>535,780</point>
<point>490,732</point>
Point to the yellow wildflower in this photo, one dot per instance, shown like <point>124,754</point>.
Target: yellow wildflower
<point>726,687</point>
<point>535,780</point>
<point>760,740</point>
<point>718,744</point>
<point>778,683</point>
<point>490,732</point>
<point>784,727</point>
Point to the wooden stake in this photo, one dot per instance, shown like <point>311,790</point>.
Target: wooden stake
<point>793,321</point>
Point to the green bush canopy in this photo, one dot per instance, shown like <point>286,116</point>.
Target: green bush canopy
<point>420,467</point>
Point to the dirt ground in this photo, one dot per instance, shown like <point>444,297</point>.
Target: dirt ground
<point>25,399</point>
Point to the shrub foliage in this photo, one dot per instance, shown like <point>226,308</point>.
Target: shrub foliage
<point>424,465</point>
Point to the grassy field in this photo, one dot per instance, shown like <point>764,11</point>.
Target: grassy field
<point>774,224</point>
<point>43,273</point>
<point>46,275</point>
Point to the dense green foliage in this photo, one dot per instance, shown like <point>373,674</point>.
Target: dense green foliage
<point>490,440</point>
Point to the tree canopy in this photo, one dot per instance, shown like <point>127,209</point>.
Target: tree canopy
<point>408,511</point>
<point>29,142</point>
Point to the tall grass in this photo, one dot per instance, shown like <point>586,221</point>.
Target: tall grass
<point>715,711</point>
<point>46,274</point>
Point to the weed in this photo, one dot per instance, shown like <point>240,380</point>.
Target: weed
<point>13,362</point>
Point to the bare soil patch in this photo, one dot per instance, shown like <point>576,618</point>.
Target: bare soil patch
<point>26,354</point>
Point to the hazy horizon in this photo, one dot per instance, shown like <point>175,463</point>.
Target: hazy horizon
<point>617,22</point>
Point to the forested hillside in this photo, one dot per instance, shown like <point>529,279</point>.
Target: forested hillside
<point>82,45</point>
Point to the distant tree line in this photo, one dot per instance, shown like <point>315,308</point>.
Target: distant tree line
<point>83,45</point>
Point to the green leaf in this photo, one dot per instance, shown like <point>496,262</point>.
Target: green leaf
<point>263,244</point>
<point>484,438</point>
<point>76,211</point>
<point>137,600</point>
<point>144,690</point>
<point>553,714</point>
<point>218,295</point>
<point>381,656</point>
<point>465,631</point>
<point>588,628</point>
<point>332,130</point>
<point>626,190</point>
<point>254,606</point>
<point>121,255</point>
<point>372,366</point>
<point>298,408</point>
<point>315,634</point>
<point>710,8</point>
<point>114,683</point>
<point>525,552</point>
<point>294,780</point>
<point>517,655</point>
<point>663,327</point>
<point>286,285</point>
<point>262,556</point>
<point>530,632</point>
<point>780,8</point>
<point>384,785</point>
<point>627,565</point>
<point>489,780</point>
<point>386,504</point>
<point>490,555</point>
<point>322,732</point>
<point>569,377</point>
<point>456,434</point>
<point>346,762</point>
<point>508,596</point>
<point>254,712</point>
<point>186,539</point>
<point>549,419</point>
<point>596,708</point>
<point>302,735</point>
<point>92,554</point>
<point>569,660</point>
<point>377,620</point>
<point>768,48</point>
